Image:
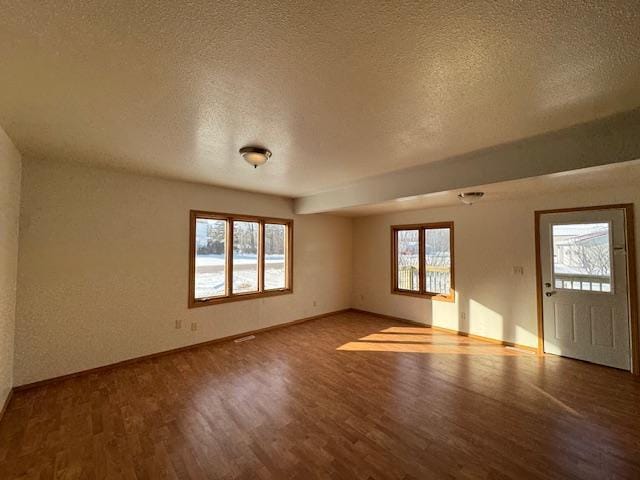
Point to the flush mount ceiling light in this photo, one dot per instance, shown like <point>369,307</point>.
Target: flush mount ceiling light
<point>469,198</point>
<point>256,156</point>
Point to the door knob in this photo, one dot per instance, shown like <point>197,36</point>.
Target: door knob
<point>548,285</point>
<point>548,294</point>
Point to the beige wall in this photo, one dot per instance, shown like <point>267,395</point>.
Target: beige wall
<point>490,239</point>
<point>9,209</point>
<point>104,268</point>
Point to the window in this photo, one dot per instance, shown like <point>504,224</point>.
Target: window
<point>245,257</point>
<point>235,257</point>
<point>422,260</point>
<point>582,257</point>
<point>407,265</point>
<point>275,241</point>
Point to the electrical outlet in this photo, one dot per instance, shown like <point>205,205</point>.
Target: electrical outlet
<point>194,326</point>
<point>518,270</point>
<point>463,315</point>
<point>178,324</point>
<point>361,297</point>
<point>315,303</point>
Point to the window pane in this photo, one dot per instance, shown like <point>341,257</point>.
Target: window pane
<point>408,251</point>
<point>245,256</point>
<point>210,264</point>
<point>438,260</point>
<point>582,257</point>
<point>274,258</point>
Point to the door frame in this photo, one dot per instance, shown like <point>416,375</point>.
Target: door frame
<point>631,273</point>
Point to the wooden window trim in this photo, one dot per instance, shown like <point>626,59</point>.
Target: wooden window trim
<point>234,297</point>
<point>422,293</point>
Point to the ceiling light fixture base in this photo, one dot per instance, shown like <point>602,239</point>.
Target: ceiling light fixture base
<point>255,156</point>
<point>469,198</point>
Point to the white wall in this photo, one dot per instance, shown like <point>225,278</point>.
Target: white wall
<point>104,268</point>
<point>490,239</point>
<point>9,210</point>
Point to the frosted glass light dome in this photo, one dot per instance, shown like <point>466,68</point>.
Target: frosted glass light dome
<point>255,156</point>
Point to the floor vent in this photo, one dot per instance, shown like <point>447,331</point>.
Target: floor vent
<point>245,339</point>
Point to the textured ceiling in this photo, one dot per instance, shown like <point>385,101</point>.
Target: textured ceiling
<point>618,175</point>
<point>338,91</point>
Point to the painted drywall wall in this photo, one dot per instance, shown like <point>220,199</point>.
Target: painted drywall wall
<point>104,268</point>
<point>490,239</point>
<point>10,169</point>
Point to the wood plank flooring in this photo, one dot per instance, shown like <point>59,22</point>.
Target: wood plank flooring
<point>348,396</point>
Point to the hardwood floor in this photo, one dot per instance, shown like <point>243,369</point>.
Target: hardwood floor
<point>348,396</point>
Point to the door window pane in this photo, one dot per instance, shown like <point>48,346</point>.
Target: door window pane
<point>274,259</point>
<point>245,256</point>
<point>407,260</point>
<point>210,254</point>
<point>582,257</point>
<point>438,260</point>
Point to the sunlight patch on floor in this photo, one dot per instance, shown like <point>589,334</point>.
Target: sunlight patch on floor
<point>361,346</point>
<point>427,340</point>
<point>558,402</point>
<point>423,330</point>
<point>406,337</point>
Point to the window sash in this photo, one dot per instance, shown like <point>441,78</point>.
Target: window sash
<point>422,261</point>
<point>259,257</point>
<point>229,294</point>
<point>286,256</point>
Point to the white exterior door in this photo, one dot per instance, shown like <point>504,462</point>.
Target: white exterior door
<point>585,286</point>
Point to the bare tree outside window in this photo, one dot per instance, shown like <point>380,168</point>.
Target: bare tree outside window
<point>245,256</point>
<point>423,260</point>
<point>274,245</point>
<point>408,252</point>
<point>238,257</point>
<point>210,272</point>
<point>582,257</point>
<point>438,260</point>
